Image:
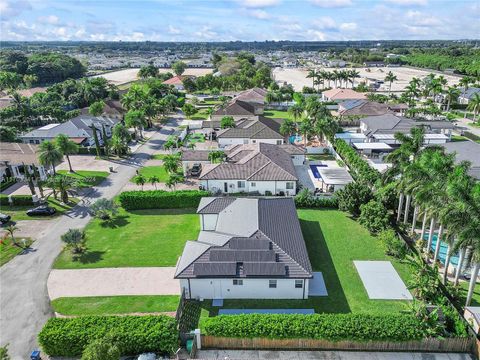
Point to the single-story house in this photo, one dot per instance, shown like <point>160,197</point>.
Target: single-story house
<point>16,158</point>
<point>466,151</point>
<point>374,64</point>
<point>243,251</point>
<point>255,168</point>
<point>339,95</point>
<point>466,95</point>
<point>191,157</point>
<point>78,129</point>
<point>252,131</point>
<point>112,109</point>
<point>368,108</point>
<point>237,109</point>
<point>176,81</point>
<point>384,127</point>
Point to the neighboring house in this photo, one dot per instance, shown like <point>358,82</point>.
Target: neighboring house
<point>374,64</point>
<point>112,109</point>
<point>339,95</point>
<point>255,168</point>
<point>466,151</point>
<point>78,129</point>
<point>368,108</point>
<point>191,157</point>
<point>472,315</point>
<point>15,158</point>
<point>247,249</point>
<point>246,131</point>
<point>255,97</point>
<point>237,109</point>
<point>176,81</point>
<point>383,128</point>
<point>465,96</point>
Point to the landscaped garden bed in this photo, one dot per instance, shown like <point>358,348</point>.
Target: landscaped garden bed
<point>8,250</point>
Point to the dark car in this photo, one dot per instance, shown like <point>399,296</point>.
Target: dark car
<point>196,170</point>
<point>4,218</point>
<point>41,211</point>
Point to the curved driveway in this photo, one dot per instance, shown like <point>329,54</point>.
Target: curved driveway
<point>24,302</point>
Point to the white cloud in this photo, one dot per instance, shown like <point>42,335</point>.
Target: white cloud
<point>315,35</point>
<point>325,23</point>
<point>332,3</point>
<point>348,26</point>
<point>290,27</point>
<point>9,8</point>
<point>173,30</point>
<point>259,14</point>
<point>206,33</point>
<point>50,19</point>
<point>259,3</point>
<point>408,2</point>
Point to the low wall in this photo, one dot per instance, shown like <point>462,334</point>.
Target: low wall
<point>460,345</point>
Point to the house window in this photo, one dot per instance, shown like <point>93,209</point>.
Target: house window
<point>237,282</point>
<point>272,284</point>
<point>253,184</point>
<point>279,142</point>
<point>289,185</point>
<point>298,284</point>
<point>32,142</point>
<point>254,141</point>
<point>241,184</point>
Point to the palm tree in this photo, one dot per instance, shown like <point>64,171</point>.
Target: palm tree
<point>171,163</point>
<point>296,111</point>
<point>353,74</point>
<point>118,145</point>
<point>306,128</point>
<point>390,78</point>
<point>288,128</point>
<point>11,230</point>
<point>465,81</point>
<point>135,119</point>
<point>140,180</point>
<point>49,154</point>
<point>65,185</point>
<point>74,239</point>
<point>451,95</point>
<point>154,180</point>
<point>67,147</point>
<point>173,180</point>
<point>312,73</point>
<point>216,156</point>
<point>474,105</point>
<point>326,127</point>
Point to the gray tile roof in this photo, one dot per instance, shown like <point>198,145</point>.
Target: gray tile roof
<point>255,95</point>
<point>236,108</point>
<point>389,123</point>
<point>214,205</point>
<point>466,151</point>
<point>261,128</point>
<point>195,155</point>
<point>261,162</point>
<point>265,241</point>
<point>17,153</point>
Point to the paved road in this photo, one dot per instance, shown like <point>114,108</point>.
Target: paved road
<point>24,302</point>
<point>466,125</point>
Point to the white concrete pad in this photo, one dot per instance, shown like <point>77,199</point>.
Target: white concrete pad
<point>316,285</point>
<point>112,282</point>
<point>382,281</point>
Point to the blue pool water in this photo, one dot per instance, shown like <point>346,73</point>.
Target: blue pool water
<point>315,172</point>
<point>443,250</point>
<point>295,138</point>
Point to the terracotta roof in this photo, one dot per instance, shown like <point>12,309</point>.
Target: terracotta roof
<point>343,94</point>
<point>176,80</point>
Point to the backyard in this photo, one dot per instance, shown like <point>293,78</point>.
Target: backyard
<point>277,114</point>
<point>334,241</point>
<point>135,239</point>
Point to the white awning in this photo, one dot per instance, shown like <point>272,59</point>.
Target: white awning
<point>349,135</point>
<point>372,146</point>
<point>335,176</point>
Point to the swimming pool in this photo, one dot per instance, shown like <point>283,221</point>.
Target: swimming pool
<point>443,251</point>
<point>295,138</point>
<point>315,172</point>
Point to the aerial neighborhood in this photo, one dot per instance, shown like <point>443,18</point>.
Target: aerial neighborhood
<point>173,201</point>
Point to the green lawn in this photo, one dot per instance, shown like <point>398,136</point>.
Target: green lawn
<point>334,241</point>
<point>149,171</point>
<point>456,138</point>
<point>195,138</point>
<point>158,156</point>
<point>8,250</point>
<point>136,238</point>
<point>313,157</point>
<point>108,305</point>
<point>464,291</point>
<point>278,114</point>
<point>202,114</point>
<point>19,212</point>
<point>86,178</point>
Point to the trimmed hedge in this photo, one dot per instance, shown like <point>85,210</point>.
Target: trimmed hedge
<point>161,199</point>
<point>133,334</point>
<point>307,200</point>
<point>18,200</point>
<point>333,327</point>
<point>6,184</point>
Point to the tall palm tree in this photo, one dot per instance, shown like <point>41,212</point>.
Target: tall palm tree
<point>65,185</point>
<point>312,74</point>
<point>353,74</point>
<point>305,128</point>
<point>171,162</point>
<point>67,147</point>
<point>451,95</point>
<point>140,180</point>
<point>49,154</point>
<point>474,105</point>
<point>288,128</point>
<point>390,78</point>
<point>154,180</point>
<point>296,111</point>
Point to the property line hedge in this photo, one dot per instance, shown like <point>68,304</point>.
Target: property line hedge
<point>363,327</point>
<point>133,334</point>
<point>310,201</point>
<point>161,199</point>
<point>359,167</point>
<point>18,200</point>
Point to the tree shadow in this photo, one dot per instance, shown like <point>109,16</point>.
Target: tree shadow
<point>116,222</point>
<point>89,257</point>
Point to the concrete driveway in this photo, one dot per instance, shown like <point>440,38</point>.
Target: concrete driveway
<point>31,228</point>
<point>24,301</point>
<point>112,282</point>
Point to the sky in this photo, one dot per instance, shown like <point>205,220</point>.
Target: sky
<point>245,20</point>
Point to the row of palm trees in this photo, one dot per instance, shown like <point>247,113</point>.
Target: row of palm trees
<point>447,199</point>
<point>340,78</point>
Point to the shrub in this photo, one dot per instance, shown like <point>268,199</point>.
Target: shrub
<point>352,196</point>
<point>305,199</point>
<point>318,326</point>
<point>132,334</point>
<point>161,199</point>
<point>374,216</point>
<point>393,245</point>
<point>101,349</point>
<point>18,200</point>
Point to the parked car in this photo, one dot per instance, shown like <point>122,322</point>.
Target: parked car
<point>41,211</point>
<point>4,218</point>
<point>196,170</point>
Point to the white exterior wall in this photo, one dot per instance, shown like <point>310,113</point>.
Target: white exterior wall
<point>298,159</point>
<point>208,221</point>
<point>251,289</point>
<point>223,142</point>
<point>261,186</point>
